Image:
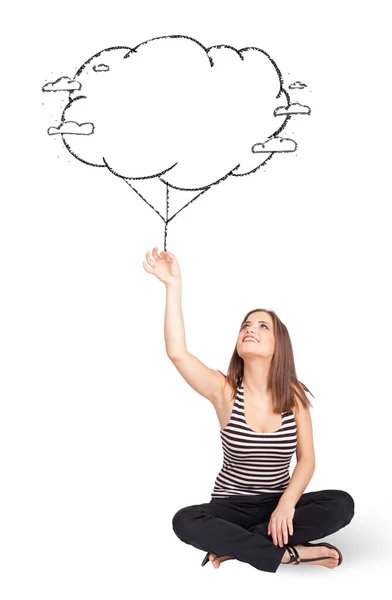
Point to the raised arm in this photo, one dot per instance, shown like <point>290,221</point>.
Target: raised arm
<point>205,381</point>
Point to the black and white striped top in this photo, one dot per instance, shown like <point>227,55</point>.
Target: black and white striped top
<point>253,462</point>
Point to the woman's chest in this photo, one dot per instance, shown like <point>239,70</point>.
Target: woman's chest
<point>260,419</point>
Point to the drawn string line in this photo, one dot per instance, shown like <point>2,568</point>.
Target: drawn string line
<point>139,194</point>
<point>167,202</point>
<point>167,220</point>
<point>188,203</point>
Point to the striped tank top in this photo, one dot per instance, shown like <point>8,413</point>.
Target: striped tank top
<point>253,462</point>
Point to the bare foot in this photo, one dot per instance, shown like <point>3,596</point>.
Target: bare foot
<point>217,560</point>
<point>314,552</point>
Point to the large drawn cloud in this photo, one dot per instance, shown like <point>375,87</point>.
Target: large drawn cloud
<point>173,109</point>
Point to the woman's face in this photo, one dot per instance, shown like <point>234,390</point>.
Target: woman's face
<point>259,326</point>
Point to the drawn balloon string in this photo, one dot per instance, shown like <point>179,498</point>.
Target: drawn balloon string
<point>172,111</point>
<point>167,219</point>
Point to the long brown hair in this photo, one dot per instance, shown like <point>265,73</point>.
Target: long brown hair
<point>282,377</point>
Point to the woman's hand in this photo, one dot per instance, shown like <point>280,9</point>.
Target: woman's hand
<point>164,265</point>
<point>281,524</point>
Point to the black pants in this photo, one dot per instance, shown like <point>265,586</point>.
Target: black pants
<point>237,525</point>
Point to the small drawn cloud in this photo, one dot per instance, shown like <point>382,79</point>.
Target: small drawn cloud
<point>101,67</point>
<point>293,109</point>
<point>276,144</point>
<point>72,127</point>
<point>63,84</point>
<point>297,85</point>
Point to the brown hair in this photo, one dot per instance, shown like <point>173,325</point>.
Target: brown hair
<point>282,378</point>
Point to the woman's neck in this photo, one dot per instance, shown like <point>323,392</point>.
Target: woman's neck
<point>256,377</point>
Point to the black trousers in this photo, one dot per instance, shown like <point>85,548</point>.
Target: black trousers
<point>237,525</point>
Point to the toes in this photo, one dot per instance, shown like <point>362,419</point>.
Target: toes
<point>332,563</point>
<point>214,560</point>
<point>333,560</point>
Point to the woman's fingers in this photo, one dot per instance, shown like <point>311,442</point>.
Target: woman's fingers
<point>149,259</point>
<point>280,528</point>
<point>172,258</point>
<point>279,533</point>
<point>163,257</point>
<point>155,253</point>
<point>147,268</point>
<point>159,255</point>
<point>291,528</point>
<point>285,537</point>
<point>273,532</point>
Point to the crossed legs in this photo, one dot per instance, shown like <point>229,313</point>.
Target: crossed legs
<point>237,526</point>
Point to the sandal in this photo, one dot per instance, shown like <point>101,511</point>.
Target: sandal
<point>294,556</point>
<point>296,560</point>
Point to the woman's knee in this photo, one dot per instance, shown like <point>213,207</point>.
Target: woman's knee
<point>346,505</point>
<point>181,521</point>
<point>349,506</point>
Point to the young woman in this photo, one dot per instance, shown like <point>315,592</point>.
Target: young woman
<point>257,513</point>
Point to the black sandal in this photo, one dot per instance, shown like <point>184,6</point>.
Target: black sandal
<point>294,556</point>
<point>296,560</point>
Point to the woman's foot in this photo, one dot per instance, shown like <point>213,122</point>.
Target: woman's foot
<point>217,560</point>
<point>313,552</point>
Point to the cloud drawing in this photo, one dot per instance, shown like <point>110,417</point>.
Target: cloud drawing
<point>101,67</point>
<point>297,85</point>
<point>72,127</point>
<point>293,109</point>
<point>63,84</point>
<point>276,144</point>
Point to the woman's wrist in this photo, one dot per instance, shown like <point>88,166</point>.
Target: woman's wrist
<point>174,282</point>
<point>286,501</point>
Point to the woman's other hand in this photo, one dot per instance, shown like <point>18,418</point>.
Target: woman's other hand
<point>281,524</point>
<point>163,265</point>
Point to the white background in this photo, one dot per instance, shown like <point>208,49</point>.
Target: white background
<point>101,440</point>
